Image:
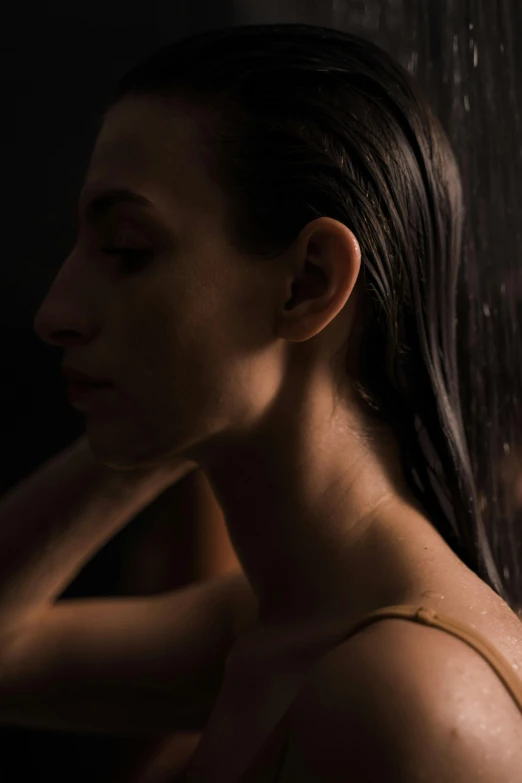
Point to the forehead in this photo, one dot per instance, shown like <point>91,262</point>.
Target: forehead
<point>151,145</point>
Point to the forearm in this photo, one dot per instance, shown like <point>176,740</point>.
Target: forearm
<point>54,521</point>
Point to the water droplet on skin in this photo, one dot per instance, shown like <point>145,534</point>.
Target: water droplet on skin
<point>486,310</point>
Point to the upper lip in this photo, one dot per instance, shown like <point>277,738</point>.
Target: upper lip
<point>81,377</point>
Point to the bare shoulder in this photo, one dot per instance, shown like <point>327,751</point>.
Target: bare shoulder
<point>403,701</point>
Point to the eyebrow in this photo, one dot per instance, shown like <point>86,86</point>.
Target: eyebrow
<point>101,204</point>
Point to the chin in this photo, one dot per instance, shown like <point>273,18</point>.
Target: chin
<point>120,449</point>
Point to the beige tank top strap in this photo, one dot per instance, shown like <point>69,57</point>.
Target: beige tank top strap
<point>427,616</point>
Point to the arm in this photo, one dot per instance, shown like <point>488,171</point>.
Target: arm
<point>118,666</point>
<point>126,666</point>
<point>54,521</point>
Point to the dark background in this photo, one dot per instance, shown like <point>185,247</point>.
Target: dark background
<point>57,68</point>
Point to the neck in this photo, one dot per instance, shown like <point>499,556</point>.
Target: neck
<point>312,514</point>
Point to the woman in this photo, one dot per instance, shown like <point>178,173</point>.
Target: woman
<point>265,279</point>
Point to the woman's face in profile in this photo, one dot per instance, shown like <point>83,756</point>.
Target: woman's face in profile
<point>154,298</point>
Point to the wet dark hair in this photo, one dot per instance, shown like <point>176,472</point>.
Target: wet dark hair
<point>303,122</point>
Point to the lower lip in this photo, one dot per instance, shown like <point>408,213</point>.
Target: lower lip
<point>86,396</point>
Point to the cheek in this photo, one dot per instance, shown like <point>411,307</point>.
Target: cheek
<point>174,357</point>
<point>196,356</point>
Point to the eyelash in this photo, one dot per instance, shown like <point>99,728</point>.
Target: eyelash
<point>133,259</point>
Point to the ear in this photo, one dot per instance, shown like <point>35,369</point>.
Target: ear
<point>326,260</point>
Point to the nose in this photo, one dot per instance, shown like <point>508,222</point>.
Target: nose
<point>63,318</point>
<point>61,329</point>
